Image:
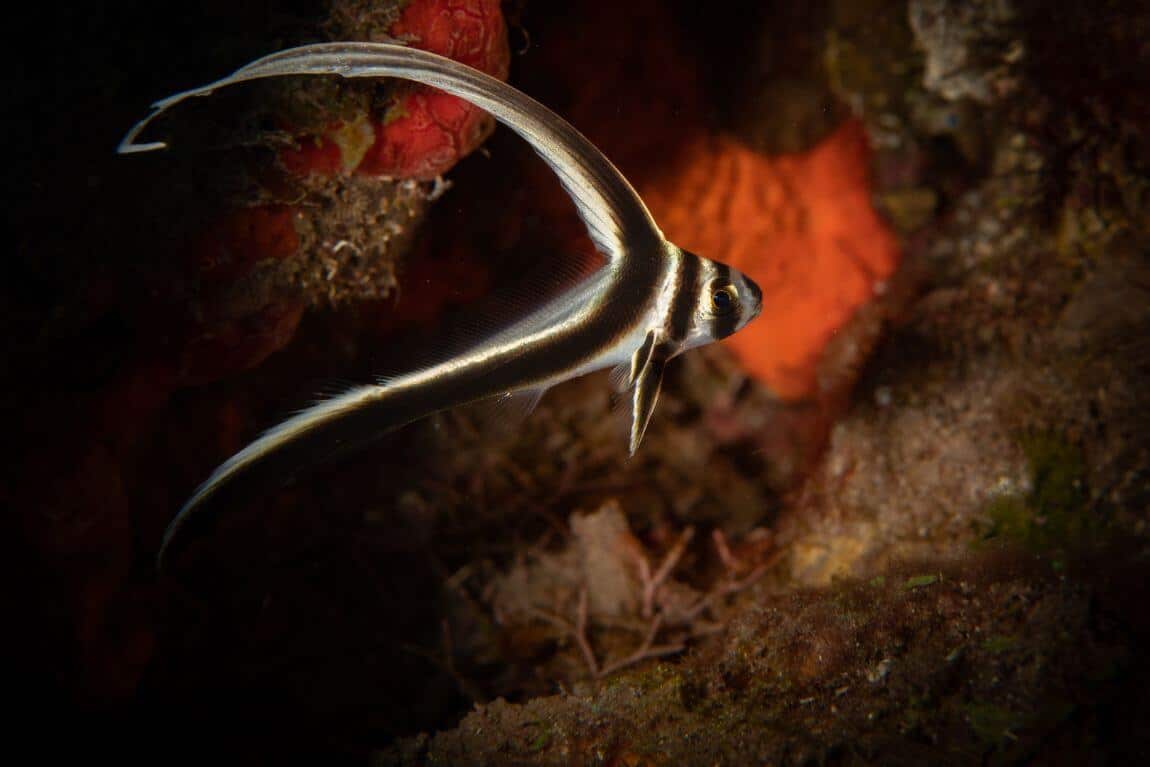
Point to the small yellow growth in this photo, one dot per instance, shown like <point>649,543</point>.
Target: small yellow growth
<point>354,139</point>
<point>818,560</point>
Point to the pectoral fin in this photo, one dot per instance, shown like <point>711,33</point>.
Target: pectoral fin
<point>647,374</point>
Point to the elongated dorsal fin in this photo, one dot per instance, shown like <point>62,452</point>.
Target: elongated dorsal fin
<point>616,218</point>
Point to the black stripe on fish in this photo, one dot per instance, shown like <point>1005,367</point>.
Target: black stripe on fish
<point>686,297</point>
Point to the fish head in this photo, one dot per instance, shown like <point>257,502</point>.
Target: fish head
<point>725,301</point>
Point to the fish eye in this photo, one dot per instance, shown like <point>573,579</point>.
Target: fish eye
<point>723,300</point>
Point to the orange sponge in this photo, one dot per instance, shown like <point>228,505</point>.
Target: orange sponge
<point>801,225</point>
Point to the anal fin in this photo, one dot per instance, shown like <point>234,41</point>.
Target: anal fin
<point>501,415</point>
<point>517,405</point>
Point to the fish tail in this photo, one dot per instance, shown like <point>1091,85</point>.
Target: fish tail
<point>319,433</point>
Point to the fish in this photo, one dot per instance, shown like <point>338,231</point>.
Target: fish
<point>648,302</point>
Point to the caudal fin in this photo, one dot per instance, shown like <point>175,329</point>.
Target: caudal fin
<point>330,427</point>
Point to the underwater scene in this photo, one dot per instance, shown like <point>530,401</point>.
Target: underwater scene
<point>466,382</point>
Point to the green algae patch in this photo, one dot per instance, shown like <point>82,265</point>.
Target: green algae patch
<point>1010,518</point>
<point>1001,644</point>
<point>921,581</point>
<point>1056,513</point>
<point>992,724</point>
<point>1060,494</point>
<point>542,740</point>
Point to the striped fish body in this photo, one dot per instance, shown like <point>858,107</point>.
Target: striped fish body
<point>650,302</point>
